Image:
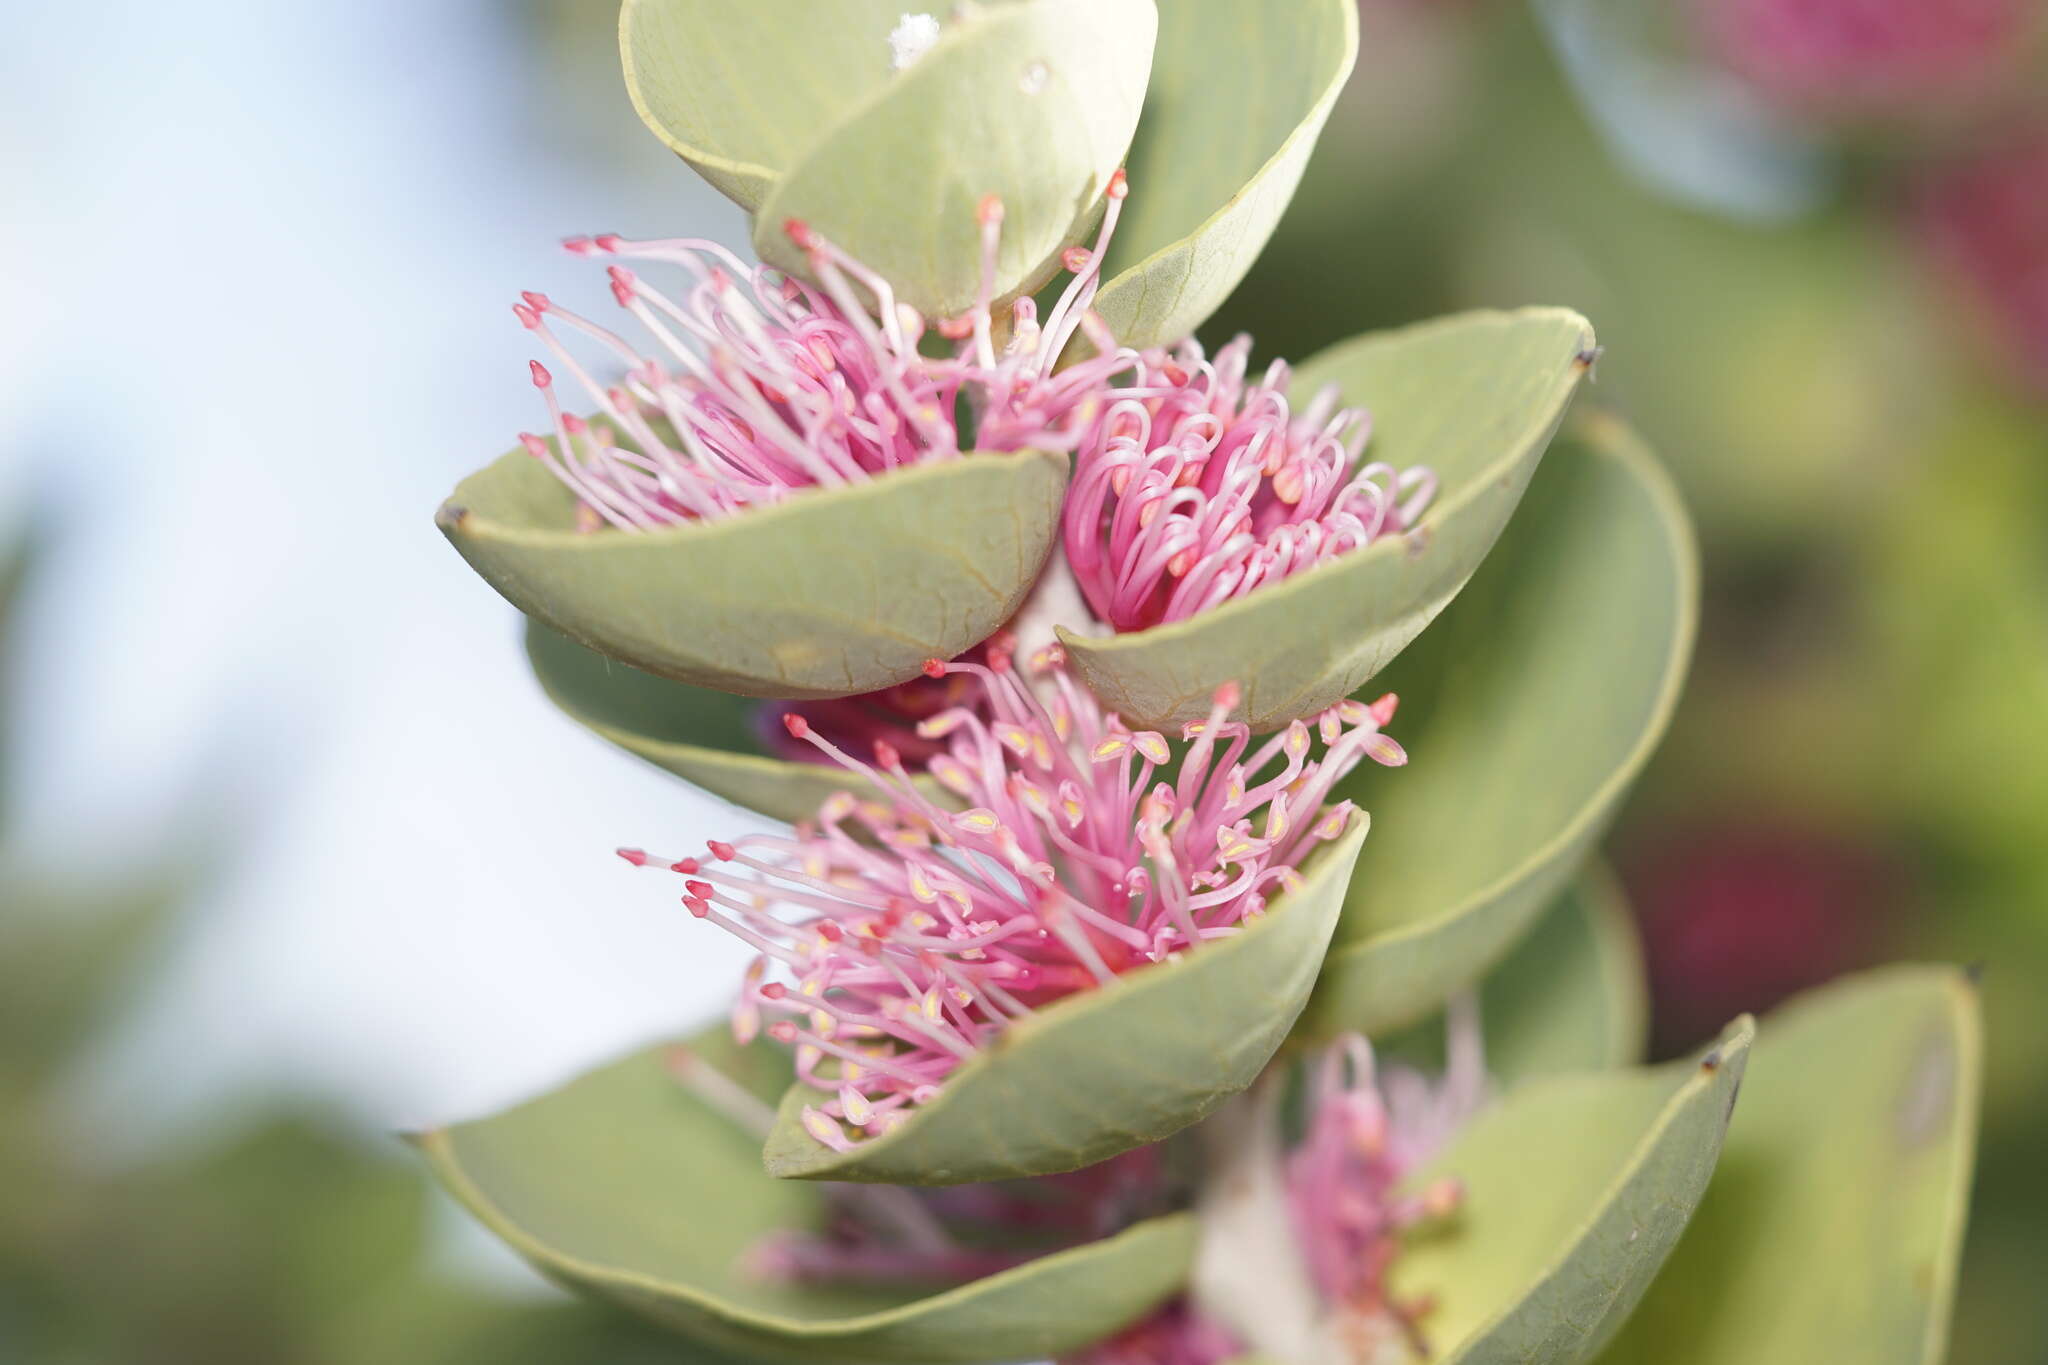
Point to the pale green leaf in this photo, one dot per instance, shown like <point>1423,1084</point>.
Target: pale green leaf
<point>833,592</point>
<point>741,90</point>
<point>1833,1228</point>
<point>1108,1070</point>
<point>1239,93</point>
<point>1527,712</point>
<point>1032,102</point>
<point>625,1185</point>
<point>705,737</point>
<point>1576,1189</point>
<point>1569,997</point>
<point>1476,397</point>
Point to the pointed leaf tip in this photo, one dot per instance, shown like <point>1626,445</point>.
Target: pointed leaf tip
<point>1578,1188</point>
<point>1476,398</point>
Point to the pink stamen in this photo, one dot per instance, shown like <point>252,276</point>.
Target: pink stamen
<point>756,386</point>
<point>911,936</point>
<point>1194,487</point>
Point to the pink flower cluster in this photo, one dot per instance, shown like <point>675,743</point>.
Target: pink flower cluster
<point>1985,219</point>
<point>897,938</point>
<point>1859,57</point>
<point>1194,487</point>
<point>1366,1131</point>
<point>758,385</point>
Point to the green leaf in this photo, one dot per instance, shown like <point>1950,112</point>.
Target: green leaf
<point>1238,95</point>
<point>1476,397</point>
<point>1533,704</point>
<point>833,592</point>
<point>1833,1228</point>
<point>1576,1189</point>
<point>1032,102</point>
<point>1108,1070</point>
<point>18,549</point>
<point>741,90</point>
<point>627,1186</point>
<point>1569,997</point>
<point>705,737</point>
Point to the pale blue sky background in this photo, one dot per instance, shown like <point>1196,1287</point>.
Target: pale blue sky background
<point>255,262</point>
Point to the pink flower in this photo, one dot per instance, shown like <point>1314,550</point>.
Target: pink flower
<point>1739,916</point>
<point>1985,219</point>
<point>1194,487</point>
<point>754,385</point>
<point>890,716</point>
<point>1866,56</point>
<point>896,1235</point>
<point>1365,1132</point>
<point>898,940</point>
<point>1365,1135</point>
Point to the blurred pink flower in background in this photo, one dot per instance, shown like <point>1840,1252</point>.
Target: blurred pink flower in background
<point>1983,217</point>
<point>1740,916</point>
<point>1855,58</point>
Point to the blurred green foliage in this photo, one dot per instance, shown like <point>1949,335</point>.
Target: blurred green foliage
<point>281,1237</point>
<point>1872,675</point>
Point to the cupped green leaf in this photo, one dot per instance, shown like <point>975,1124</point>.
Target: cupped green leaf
<point>1833,1227</point>
<point>1569,997</point>
<point>626,1185</point>
<point>1530,708</point>
<point>1576,1189</point>
<point>833,592</point>
<point>705,737</point>
<point>1109,1070</point>
<point>1475,397</point>
<point>741,90</point>
<point>1238,96</point>
<point>1032,102</point>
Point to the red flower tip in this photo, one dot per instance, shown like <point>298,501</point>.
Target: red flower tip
<point>701,909</point>
<point>795,724</point>
<point>886,755</point>
<point>720,850</point>
<point>1229,695</point>
<point>607,241</point>
<point>989,210</point>
<point>701,890</point>
<point>1119,184</point>
<point>634,856</point>
<point>1383,709</point>
<point>935,668</point>
<point>528,317</point>
<point>683,865</point>
<point>541,377</point>
<point>800,232</point>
